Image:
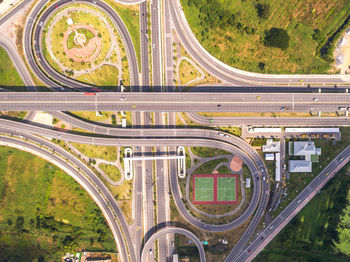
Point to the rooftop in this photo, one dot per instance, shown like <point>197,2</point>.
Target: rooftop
<point>299,166</point>
<point>271,146</point>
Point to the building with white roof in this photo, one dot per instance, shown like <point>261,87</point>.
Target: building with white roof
<point>305,149</point>
<point>278,167</point>
<point>299,166</point>
<point>311,130</point>
<point>271,146</point>
<point>269,157</point>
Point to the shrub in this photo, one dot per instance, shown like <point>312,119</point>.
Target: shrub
<point>276,37</point>
<point>318,36</point>
<point>263,10</point>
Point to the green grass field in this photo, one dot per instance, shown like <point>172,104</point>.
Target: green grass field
<point>8,73</point>
<point>44,212</point>
<point>240,44</point>
<point>204,189</point>
<point>226,187</point>
<point>208,151</point>
<point>111,171</point>
<point>108,153</point>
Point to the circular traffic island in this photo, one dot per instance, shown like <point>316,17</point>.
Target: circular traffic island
<point>81,42</point>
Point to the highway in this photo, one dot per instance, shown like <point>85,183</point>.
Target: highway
<point>269,121</point>
<point>174,137</point>
<point>76,168</point>
<point>293,208</point>
<point>174,102</point>
<point>172,230</point>
<point>17,62</point>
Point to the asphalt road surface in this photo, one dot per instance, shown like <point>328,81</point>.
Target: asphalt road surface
<point>175,102</point>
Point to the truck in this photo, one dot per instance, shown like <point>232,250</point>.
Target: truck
<point>89,94</point>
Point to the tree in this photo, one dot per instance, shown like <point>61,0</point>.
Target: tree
<point>263,10</point>
<point>19,223</point>
<point>261,65</point>
<point>318,36</point>
<point>9,221</point>
<point>276,37</point>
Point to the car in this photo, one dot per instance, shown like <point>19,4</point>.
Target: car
<point>153,45</point>
<point>315,99</point>
<point>284,108</point>
<point>249,250</point>
<point>122,98</point>
<point>271,227</point>
<point>221,134</point>
<point>133,106</point>
<point>312,108</point>
<point>327,173</point>
<point>298,201</point>
<point>219,105</point>
<point>227,136</point>
<point>150,252</point>
<point>258,97</point>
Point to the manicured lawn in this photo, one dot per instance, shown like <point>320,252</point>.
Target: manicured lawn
<point>239,42</point>
<point>208,151</point>
<point>204,188</point>
<point>8,73</point>
<point>108,153</point>
<point>226,188</point>
<point>106,75</point>
<point>44,212</point>
<point>209,166</point>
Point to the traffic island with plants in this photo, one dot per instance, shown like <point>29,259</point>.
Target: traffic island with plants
<point>81,42</point>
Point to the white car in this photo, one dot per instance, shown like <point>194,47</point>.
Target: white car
<point>221,134</point>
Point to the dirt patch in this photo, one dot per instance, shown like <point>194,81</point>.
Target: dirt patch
<point>342,54</point>
<point>236,164</point>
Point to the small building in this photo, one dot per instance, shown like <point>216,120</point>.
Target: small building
<point>299,166</point>
<point>304,148</point>
<point>278,167</point>
<point>69,21</point>
<point>271,146</point>
<point>311,130</point>
<point>266,130</point>
<point>308,153</point>
<point>247,182</point>
<point>123,122</point>
<point>269,157</point>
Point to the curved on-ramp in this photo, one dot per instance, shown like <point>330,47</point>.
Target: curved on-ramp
<point>34,54</point>
<point>154,137</point>
<point>74,172</point>
<point>172,230</point>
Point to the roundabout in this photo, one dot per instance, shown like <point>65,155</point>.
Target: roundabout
<point>80,42</point>
<point>72,55</point>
